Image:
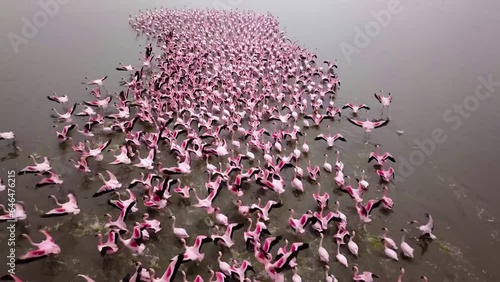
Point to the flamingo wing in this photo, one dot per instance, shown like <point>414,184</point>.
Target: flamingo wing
<point>356,122</point>
<point>380,123</point>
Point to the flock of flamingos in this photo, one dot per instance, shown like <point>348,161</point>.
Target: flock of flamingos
<point>227,90</point>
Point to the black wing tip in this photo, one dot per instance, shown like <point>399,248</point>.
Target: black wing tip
<point>53,215</point>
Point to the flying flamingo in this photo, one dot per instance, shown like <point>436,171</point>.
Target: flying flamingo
<point>384,100</point>
<point>58,99</point>
<point>70,207</point>
<point>37,168</point>
<point>355,108</point>
<point>44,248</point>
<point>427,229</point>
<point>110,247</point>
<point>52,179</point>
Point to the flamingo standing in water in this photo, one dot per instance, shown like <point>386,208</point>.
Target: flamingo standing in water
<point>322,252</point>
<point>388,240</point>
<point>328,276</point>
<point>305,146</point>
<point>387,203</point>
<point>389,252</point>
<point>181,233</point>
<point>405,247</point>
<point>327,166</point>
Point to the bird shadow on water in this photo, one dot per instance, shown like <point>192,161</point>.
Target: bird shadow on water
<point>423,243</point>
<point>11,155</point>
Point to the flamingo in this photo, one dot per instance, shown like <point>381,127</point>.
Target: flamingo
<point>58,99</point>
<point>37,168</point>
<point>150,224</point>
<point>125,68</point>
<point>363,183</point>
<point>170,272</point>
<point>340,257</point>
<point>297,183</point>
<point>67,115</point>
<point>227,238</point>
<point>329,277</point>
<point>385,175</point>
<point>147,163</point>
<point>121,204</point>
<point>299,171</point>
<point>330,139</point>
<point>109,185</point>
<point>110,247</point>
<point>8,135</point>
<point>323,254</point>
<point>389,252</point>
<point>63,135</point>
<point>385,101</point>
<point>381,159</point>
<point>70,207</point>
<point>314,173</point>
<point>367,125</point>
<point>401,274</point>
<point>220,217</point>
<point>296,277</point>
<point>355,108</point>
<point>388,240</point>
<point>321,200</point>
<point>353,247</point>
<point>365,276</point>
<point>405,247</point>
<point>45,248</point>
<point>339,166</point>
<point>193,253</point>
<point>427,229</point>
<point>327,166</point>
<point>305,146</point>
<point>51,180</point>
<point>18,214</point>
<point>224,266</point>
<point>119,225</point>
<point>180,233</point>
<point>387,202</point>
<point>122,158</point>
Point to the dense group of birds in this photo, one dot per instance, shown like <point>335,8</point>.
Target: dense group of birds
<point>229,91</point>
